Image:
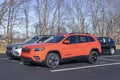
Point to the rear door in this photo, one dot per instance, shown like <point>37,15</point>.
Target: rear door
<point>84,45</point>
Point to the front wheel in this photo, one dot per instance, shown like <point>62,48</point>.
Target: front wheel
<point>11,57</point>
<point>52,60</point>
<point>93,57</point>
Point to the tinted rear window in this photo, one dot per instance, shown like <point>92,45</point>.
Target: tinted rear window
<point>82,39</point>
<point>102,40</point>
<point>90,39</point>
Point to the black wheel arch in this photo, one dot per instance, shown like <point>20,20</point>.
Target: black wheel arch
<point>96,49</point>
<point>55,51</point>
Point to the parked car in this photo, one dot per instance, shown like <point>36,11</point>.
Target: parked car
<point>107,44</point>
<point>62,46</point>
<point>13,51</point>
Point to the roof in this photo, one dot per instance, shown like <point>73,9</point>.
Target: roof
<point>66,34</point>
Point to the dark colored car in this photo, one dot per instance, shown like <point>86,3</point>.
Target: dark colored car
<point>107,44</point>
<point>13,51</point>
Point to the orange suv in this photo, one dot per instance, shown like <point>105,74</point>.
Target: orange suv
<point>62,46</point>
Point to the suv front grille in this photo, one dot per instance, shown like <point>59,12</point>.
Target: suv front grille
<point>25,50</point>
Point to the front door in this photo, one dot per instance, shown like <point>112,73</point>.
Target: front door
<point>70,50</point>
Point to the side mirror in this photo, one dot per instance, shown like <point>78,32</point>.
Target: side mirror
<point>66,42</point>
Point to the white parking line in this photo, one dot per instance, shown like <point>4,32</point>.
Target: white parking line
<point>85,67</point>
<point>109,59</point>
<point>110,56</point>
<point>21,63</point>
<point>4,58</point>
<point>14,61</point>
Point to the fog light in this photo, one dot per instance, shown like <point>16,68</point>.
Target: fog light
<point>36,57</point>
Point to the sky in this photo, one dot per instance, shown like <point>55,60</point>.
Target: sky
<point>32,18</point>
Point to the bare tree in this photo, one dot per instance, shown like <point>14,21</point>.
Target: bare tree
<point>78,13</point>
<point>26,5</point>
<point>71,14</point>
<point>10,18</point>
<point>42,10</point>
<point>3,9</point>
<point>101,17</point>
<point>52,28</point>
<point>80,17</point>
<point>60,13</point>
<point>45,16</point>
<point>38,12</point>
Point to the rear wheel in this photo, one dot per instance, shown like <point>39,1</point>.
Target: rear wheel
<point>52,60</point>
<point>93,57</point>
<point>112,51</point>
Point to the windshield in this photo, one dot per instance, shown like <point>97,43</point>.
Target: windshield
<point>54,39</point>
<point>31,40</point>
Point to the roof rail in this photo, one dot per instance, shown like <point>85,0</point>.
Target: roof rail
<point>79,33</point>
<point>62,33</point>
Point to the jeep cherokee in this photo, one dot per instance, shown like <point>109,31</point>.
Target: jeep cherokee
<point>62,46</point>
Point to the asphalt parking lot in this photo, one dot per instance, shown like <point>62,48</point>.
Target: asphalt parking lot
<point>107,68</point>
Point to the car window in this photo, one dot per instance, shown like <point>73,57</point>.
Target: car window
<point>72,39</point>
<point>82,39</point>
<point>90,39</point>
<point>44,38</point>
<point>54,39</point>
<point>111,41</point>
<point>103,41</point>
<point>31,40</point>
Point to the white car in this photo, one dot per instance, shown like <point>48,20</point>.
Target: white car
<point>13,51</point>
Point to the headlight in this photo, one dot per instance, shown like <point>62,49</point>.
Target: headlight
<point>38,49</point>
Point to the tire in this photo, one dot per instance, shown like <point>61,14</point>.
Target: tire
<point>93,57</point>
<point>52,60</point>
<point>11,57</point>
<point>14,58</point>
<point>112,51</point>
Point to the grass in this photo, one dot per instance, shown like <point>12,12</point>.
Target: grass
<point>2,50</point>
<point>118,47</point>
<point>3,47</point>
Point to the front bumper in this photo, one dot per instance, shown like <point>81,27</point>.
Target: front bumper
<point>31,55</point>
<point>26,59</point>
<point>31,60</point>
<point>13,53</point>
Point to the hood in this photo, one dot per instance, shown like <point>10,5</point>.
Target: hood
<point>31,46</point>
<point>17,44</point>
